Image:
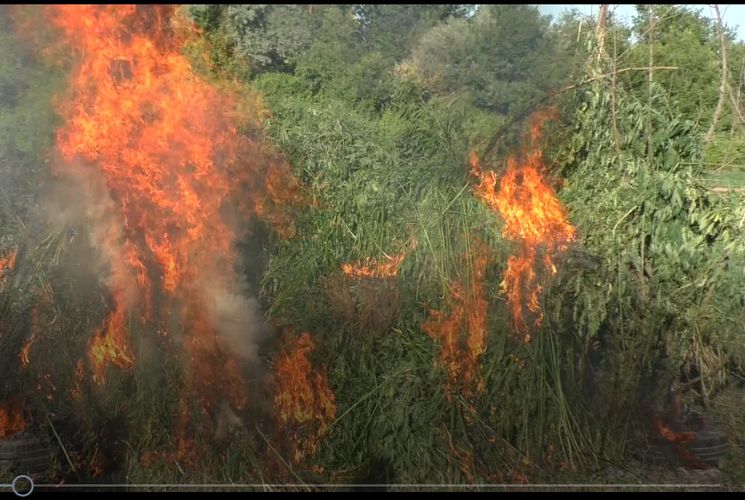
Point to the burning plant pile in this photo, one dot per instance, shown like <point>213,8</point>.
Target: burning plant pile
<point>160,166</point>
<point>459,353</point>
<point>533,217</point>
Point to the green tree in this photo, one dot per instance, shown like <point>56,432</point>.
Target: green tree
<point>268,36</point>
<point>505,58</point>
<point>391,29</point>
<point>684,38</point>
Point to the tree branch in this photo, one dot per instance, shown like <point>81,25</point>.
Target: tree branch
<point>652,24</point>
<point>614,73</point>
<point>600,31</point>
<point>736,99</point>
<point>722,83</point>
<point>543,100</point>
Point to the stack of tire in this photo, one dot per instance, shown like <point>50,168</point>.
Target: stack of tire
<point>25,454</point>
<point>710,445</point>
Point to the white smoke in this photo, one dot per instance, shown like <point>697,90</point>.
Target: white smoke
<point>235,316</point>
<point>80,199</point>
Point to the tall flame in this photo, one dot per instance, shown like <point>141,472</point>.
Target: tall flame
<point>533,217</point>
<point>303,401</point>
<point>180,164</point>
<point>460,356</point>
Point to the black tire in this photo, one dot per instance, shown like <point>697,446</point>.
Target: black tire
<point>24,454</point>
<point>710,446</point>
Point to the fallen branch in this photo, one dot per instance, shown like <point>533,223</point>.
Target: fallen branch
<point>610,75</point>
<point>59,441</point>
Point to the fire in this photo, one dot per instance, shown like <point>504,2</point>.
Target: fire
<point>26,349</point>
<point>186,451</point>
<point>181,166</point>
<point>680,440</point>
<point>302,398</point>
<point>534,218</point>
<point>467,318</point>
<point>12,420</point>
<point>371,268</point>
<point>44,384</point>
<point>109,346</point>
<point>666,432</point>
<point>465,459</point>
<point>7,264</point>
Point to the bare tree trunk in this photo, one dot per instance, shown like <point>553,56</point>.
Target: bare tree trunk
<point>593,64</point>
<point>722,83</point>
<point>614,68</point>
<point>600,31</point>
<point>649,84</point>
<point>737,98</point>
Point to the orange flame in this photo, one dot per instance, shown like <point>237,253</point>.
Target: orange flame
<point>169,148</point>
<point>302,398</point>
<point>12,419</point>
<point>371,268</point>
<point>468,316</point>
<point>465,460</point>
<point>181,166</point>
<point>666,432</point>
<point>109,345</point>
<point>186,451</point>
<point>7,264</point>
<point>26,349</point>
<point>681,440</point>
<point>533,217</point>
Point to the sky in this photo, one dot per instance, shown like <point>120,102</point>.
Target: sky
<point>733,15</point>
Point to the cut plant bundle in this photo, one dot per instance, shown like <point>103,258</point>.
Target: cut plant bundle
<point>333,246</point>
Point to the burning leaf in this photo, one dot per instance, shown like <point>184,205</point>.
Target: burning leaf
<point>109,346</point>
<point>666,432</point>
<point>680,440</point>
<point>79,374</point>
